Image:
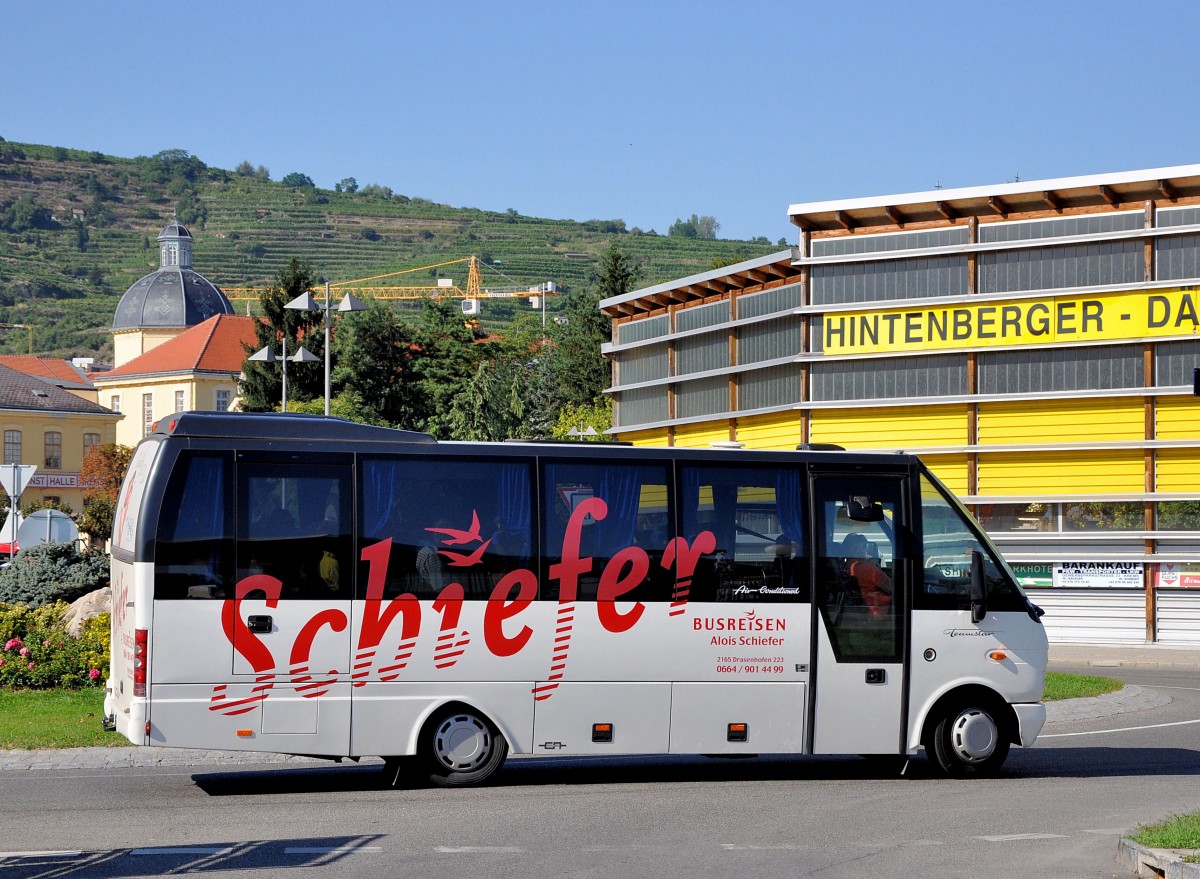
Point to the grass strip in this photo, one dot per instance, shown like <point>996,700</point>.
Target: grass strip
<point>33,719</point>
<point>1178,831</point>
<point>1065,686</point>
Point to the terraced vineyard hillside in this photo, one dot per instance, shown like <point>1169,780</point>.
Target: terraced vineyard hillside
<point>77,228</point>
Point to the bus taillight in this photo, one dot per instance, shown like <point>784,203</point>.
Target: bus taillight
<point>139,662</point>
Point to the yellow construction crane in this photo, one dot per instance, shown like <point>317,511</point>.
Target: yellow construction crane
<point>445,287</point>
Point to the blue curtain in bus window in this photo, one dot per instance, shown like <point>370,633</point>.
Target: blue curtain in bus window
<point>789,507</point>
<point>192,554</point>
<point>464,521</point>
<point>620,486</point>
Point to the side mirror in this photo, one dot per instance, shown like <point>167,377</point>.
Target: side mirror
<point>978,588</point>
<point>860,508</point>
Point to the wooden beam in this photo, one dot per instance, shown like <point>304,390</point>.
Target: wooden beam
<point>997,204</point>
<point>1050,197</point>
<point>947,210</point>
<point>846,221</point>
<point>1167,190</point>
<point>1109,196</point>
<point>894,215</point>
<point>803,222</point>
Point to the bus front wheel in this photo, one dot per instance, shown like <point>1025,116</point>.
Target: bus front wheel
<point>968,740</point>
<point>462,747</point>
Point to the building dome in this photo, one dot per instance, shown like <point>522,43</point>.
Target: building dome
<point>175,296</point>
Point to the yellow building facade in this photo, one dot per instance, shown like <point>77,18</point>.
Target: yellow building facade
<point>1036,343</point>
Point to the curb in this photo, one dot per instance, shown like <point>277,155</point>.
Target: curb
<point>1156,863</point>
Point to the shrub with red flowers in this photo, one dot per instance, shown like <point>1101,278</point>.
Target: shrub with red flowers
<point>38,652</point>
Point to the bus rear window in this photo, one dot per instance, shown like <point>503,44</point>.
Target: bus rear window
<point>129,504</point>
<point>194,554</point>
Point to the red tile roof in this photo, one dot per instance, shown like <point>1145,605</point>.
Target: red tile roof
<point>57,372</point>
<point>213,346</point>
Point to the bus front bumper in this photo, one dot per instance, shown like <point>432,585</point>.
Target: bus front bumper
<point>1030,718</point>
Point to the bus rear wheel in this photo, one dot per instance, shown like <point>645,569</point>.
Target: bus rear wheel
<point>462,747</point>
<point>968,740</point>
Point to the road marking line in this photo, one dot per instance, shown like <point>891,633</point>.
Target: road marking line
<point>1096,732</point>
<point>478,850</point>
<point>50,854</point>
<point>735,847</point>
<point>330,849</point>
<point>1120,831</point>
<point>183,850</point>
<point>1017,836</point>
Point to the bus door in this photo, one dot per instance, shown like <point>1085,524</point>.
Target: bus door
<point>859,587</point>
<point>294,585</point>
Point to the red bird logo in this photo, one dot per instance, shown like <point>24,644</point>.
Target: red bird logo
<point>454,537</point>
<point>459,560</point>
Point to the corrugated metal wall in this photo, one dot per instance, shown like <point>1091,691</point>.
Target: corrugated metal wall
<point>895,279</point>
<point>951,469</point>
<point>777,431</point>
<point>1174,362</point>
<point>698,436</point>
<point>892,428</point>
<point>1177,417</point>
<point>642,364</point>
<point>706,396</point>
<point>1088,224</point>
<point>1055,268</point>
<point>640,406</point>
<point>935,375</point>
<point>769,340</point>
<point>1030,371</point>
<point>1037,474</point>
<point>645,437</point>
<point>1177,258</point>
<point>765,388</point>
<point>1098,616</point>
<point>1177,614</point>
<point>640,330</point>
<point>1062,421</point>
<point>768,302</point>
<point>1177,470</point>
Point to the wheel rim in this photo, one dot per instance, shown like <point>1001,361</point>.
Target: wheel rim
<point>974,735</point>
<point>462,742</point>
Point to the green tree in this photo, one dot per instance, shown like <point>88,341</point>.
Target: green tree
<point>346,184</point>
<point>445,359</point>
<point>505,398</point>
<point>261,387</point>
<point>705,228</point>
<point>597,415</point>
<point>579,371</point>
<point>296,180</point>
<point>374,368</point>
<point>244,169</point>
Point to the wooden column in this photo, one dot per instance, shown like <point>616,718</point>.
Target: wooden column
<point>1149,518</point>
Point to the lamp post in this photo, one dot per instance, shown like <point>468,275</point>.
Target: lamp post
<point>305,302</point>
<point>267,355</point>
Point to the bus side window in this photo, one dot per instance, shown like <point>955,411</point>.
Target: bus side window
<point>753,516</point>
<point>637,516</point>
<point>948,543</point>
<point>465,522</point>
<point>194,550</point>
<point>296,528</point>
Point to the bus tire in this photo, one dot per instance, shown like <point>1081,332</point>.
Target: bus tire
<point>968,739</point>
<point>461,747</point>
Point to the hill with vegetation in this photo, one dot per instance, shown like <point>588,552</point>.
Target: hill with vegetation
<point>77,228</point>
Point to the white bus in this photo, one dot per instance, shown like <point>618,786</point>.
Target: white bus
<point>307,585</point>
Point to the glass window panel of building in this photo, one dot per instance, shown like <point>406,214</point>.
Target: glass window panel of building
<point>12,447</point>
<point>53,450</point>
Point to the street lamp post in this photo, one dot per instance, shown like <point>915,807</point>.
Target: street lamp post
<point>268,355</point>
<point>305,302</point>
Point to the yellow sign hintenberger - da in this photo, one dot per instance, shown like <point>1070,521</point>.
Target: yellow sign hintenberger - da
<point>1087,317</point>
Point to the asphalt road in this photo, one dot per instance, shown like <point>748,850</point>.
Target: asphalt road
<point>1057,811</point>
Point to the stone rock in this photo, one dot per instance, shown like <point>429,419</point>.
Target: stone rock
<point>85,608</point>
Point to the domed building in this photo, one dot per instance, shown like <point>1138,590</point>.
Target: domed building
<point>177,345</point>
<point>166,302</point>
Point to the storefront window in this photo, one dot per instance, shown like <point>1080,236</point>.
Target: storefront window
<point>1104,516</point>
<point>1018,517</point>
<point>1179,516</point>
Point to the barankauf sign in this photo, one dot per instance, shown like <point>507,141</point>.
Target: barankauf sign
<point>1104,575</point>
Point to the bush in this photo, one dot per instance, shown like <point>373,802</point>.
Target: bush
<point>49,572</point>
<point>37,652</point>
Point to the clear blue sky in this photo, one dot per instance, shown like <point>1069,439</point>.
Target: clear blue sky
<point>646,111</point>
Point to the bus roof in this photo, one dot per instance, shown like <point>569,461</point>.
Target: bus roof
<point>273,425</point>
